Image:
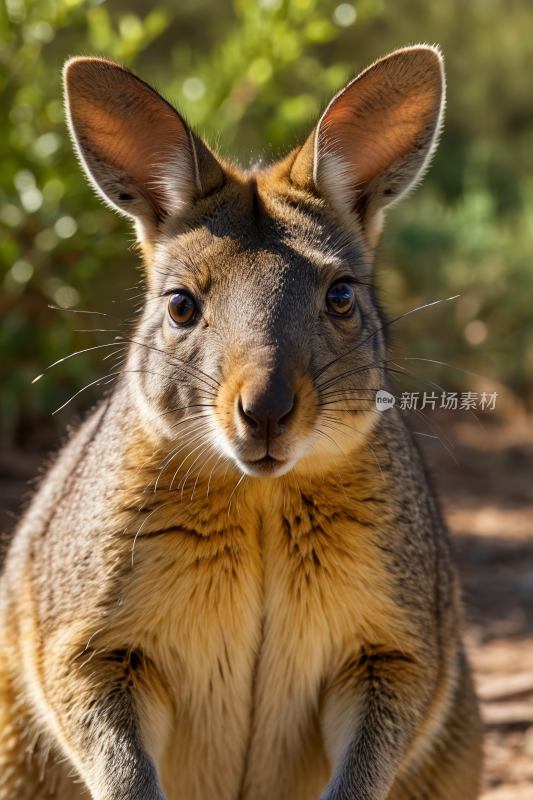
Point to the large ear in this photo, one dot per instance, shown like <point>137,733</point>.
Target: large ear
<point>135,148</point>
<point>376,137</point>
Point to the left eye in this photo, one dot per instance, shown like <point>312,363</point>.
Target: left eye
<point>340,298</point>
<point>181,308</point>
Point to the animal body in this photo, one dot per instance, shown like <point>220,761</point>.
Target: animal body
<point>234,583</point>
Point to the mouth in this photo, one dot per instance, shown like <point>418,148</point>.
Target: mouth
<point>265,467</point>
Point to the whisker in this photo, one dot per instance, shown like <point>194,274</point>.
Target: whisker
<point>391,322</point>
<point>183,462</point>
<point>123,342</point>
<point>226,472</point>
<point>200,415</point>
<point>110,355</point>
<point>426,419</point>
<point>145,462</point>
<point>211,449</point>
<point>352,371</point>
<point>321,433</point>
<point>111,375</point>
<point>180,448</point>
<point>436,386</point>
<point>202,440</point>
<point>182,408</point>
<point>179,435</point>
<point>142,526</point>
<point>79,311</point>
<point>350,388</point>
<point>319,467</point>
<point>167,459</point>
<point>418,411</point>
<point>183,437</point>
<point>97,381</point>
<point>233,492</point>
<point>190,468</point>
<point>398,371</point>
<point>338,422</point>
<point>342,399</point>
<point>332,427</point>
<point>440,363</point>
<point>211,473</point>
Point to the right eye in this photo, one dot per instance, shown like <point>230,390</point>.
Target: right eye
<point>181,308</point>
<point>340,298</point>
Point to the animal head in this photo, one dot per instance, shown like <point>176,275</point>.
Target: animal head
<point>260,319</point>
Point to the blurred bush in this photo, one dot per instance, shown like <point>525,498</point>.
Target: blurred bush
<point>252,77</point>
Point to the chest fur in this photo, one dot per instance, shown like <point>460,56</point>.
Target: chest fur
<point>294,589</point>
<point>248,619</point>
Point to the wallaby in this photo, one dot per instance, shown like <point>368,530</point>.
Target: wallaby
<point>234,582</point>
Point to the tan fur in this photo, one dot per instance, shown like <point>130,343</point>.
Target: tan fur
<point>178,617</point>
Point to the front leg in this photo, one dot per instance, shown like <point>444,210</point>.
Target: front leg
<point>97,710</point>
<point>370,715</point>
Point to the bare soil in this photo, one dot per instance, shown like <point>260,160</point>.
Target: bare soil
<point>486,491</point>
<point>487,500</point>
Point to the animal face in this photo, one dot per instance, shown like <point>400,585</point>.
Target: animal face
<point>260,318</point>
<point>272,296</point>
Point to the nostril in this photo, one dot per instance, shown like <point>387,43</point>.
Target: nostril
<point>253,421</point>
<point>254,418</point>
<point>277,422</point>
<point>245,414</point>
<point>285,412</point>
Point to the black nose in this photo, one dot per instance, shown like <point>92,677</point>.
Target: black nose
<point>266,413</point>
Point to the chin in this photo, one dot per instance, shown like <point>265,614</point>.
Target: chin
<point>266,467</point>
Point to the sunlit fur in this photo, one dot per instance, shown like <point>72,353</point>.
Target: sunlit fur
<point>176,617</point>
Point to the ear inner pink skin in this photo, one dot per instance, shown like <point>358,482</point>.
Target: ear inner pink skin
<point>368,146</point>
<point>388,115</point>
<point>124,123</point>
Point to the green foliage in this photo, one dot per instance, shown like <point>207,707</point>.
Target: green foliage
<point>252,78</point>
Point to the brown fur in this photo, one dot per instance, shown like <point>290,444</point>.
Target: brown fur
<point>180,617</point>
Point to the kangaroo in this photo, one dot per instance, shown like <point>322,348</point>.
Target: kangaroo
<point>234,582</point>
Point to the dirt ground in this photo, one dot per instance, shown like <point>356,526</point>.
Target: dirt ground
<point>487,499</point>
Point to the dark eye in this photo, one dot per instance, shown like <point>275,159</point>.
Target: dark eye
<point>340,298</point>
<point>181,308</point>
